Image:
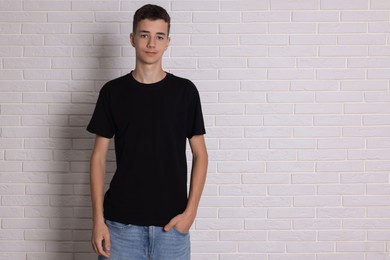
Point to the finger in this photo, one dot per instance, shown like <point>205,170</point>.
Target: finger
<point>100,250</point>
<point>171,224</point>
<point>107,244</point>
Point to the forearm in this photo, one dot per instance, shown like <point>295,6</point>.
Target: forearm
<point>198,179</point>
<point>97,179</point>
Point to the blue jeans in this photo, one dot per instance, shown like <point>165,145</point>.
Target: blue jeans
<point>130,242</point>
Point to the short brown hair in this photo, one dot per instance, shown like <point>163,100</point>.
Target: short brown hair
<point>151,12</point>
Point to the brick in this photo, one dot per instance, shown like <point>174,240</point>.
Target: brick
<point>378,143</point>
<point>318,178</point>
<point>45,28</point>
<point>348,4</point>
<point>340,256</point>
<point>64,40</point>
<point>341,213</point>
<point>256,132</point>
<point>290,167</point>
<point>317,201</point>
<point>368,62</point>
<point>295,190</point>
<point>267,224</point>
<point>214,63</point>
<point>194,51</point>
<point>342,28</point>
<point>264,86</point>
<point>242,190</point>
<point>294,5</point>
<point>360,246</point>
<point>266,247</point>
<point>316,85</point>
<point>310,247</point>
<point>10,29</point>
<point>272,155</point>
<point>351,189</point>
<point>267,16</point>
<point>11,74</point>
<point>10,5</point>
<point>366,224</point>
<point>10,51</point>
<point>242,29</point>
<point>340,74</point>
<point>361,40</point>
<point>315,16</point>
<point>17,132</point>
<point>312,40</point>
<point>316,131</point>
<point>10,98</point>
<point>241,213</point>
<point>201,40</point>
<point>341,235</point>
<point>291,235</point>
<point>321,63</point>
<point>216,17</point>
<point>96,5</point>
<point>364,85</point>
<point>292,143</point>
<point>366,132</point>
<point>243,236</point>
<point>28,155</point>
<point>316,224</point>
<point>293,51</point>
<point>248,5</point>
<point>378,4</point>
<point>379,27</point>
<point>48,212</point>
<point>264,40</point>
<point>378,189</point>
<point>337,120</point>
<point>22,17</point>
<point>195,6</point>
<point>70,17</point>
<point>291,28</point>
<point>359,16</point>
<point>292,257</point>
<point>342,51</point>
<point>265,201</point>
<point>377,73</point>
<point>271,63</point>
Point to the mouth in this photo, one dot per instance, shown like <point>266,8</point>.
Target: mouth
<point>150,53</point>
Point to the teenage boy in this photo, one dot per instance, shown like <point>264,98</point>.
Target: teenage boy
<point>146,213</point>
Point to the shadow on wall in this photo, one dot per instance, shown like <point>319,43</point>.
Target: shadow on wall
<point>91,66</point>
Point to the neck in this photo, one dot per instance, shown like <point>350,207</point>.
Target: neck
<point>148,75</point>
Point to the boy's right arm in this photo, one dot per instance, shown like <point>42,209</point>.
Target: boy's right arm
<point>100,231</point>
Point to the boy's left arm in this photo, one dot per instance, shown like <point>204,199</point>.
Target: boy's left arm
<point>183,222</point>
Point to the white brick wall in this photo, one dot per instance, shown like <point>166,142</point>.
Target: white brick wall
<point>296,100</point>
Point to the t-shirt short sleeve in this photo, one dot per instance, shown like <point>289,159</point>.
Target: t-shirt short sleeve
<point>195,124</point>
<point>102,122</point>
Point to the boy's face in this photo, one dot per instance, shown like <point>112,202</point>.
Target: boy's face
<point>150,40</point>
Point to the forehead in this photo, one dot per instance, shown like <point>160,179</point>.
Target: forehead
<point>153,26</point>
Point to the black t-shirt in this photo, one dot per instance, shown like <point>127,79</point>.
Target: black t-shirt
<point>150,123</point>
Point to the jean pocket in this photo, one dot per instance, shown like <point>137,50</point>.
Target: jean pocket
<point>181,232</point>
<point>114,224</point>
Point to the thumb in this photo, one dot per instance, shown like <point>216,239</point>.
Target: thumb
<point>170,224</point>
<point>107,243</point>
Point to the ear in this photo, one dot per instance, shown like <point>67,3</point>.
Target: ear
<point>132,39</point>
<point>168,41</point>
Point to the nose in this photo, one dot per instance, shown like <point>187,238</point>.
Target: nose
<point>151,43</point>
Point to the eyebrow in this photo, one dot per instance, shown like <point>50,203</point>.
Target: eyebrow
<point>158,33</point>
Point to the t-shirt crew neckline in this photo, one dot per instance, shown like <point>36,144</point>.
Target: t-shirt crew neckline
<point>146,86</point>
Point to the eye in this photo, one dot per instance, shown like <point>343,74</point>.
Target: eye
<point>144,36</point>
<point>160,38</point>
